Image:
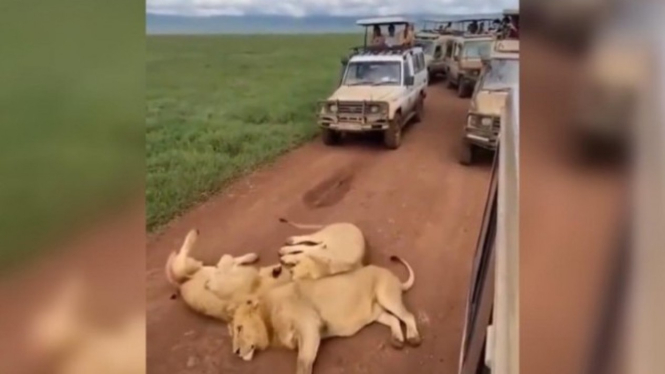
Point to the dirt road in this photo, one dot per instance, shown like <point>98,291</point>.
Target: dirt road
<point>417,202</point>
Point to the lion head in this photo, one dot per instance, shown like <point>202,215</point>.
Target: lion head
<point>248,329</point>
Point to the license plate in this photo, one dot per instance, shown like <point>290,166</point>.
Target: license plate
<point>348,126</point>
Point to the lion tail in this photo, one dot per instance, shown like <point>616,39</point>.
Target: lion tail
<point>301,226</point>
<point>412,276</point>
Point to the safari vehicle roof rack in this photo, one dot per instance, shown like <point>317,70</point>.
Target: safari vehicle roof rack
<point>381,21</point>
<point>372,50</point>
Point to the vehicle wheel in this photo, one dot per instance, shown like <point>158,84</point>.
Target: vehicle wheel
<point>419,110</point>
<point>464,89</point>
<point>467,154</point>
<point>450,83</point>
<point>392,137</point>
<point>330,137</point>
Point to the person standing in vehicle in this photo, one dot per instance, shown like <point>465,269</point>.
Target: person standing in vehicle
<point>472,28</point>
<point>408,37</point>
<point>391,39</point>
<point>377,37</point>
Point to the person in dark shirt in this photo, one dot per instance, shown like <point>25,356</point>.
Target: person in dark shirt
<point>472,28</point>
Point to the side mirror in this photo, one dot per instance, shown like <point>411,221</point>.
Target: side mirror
<point>408,81</point>
<point>344,60</point>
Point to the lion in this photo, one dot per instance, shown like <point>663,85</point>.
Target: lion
<point>299,314</point>
<point>233,277</point>
<point>333,249</point>
<point>69,341</point>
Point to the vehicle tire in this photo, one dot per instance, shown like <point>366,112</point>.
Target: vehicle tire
<point>419,110</point>
<point>464,89</point>
<point>392,137</point>
<point>450,83</point>
<point>467,154</point>
<point>330,137</point>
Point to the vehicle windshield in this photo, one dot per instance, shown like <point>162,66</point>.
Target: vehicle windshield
<point>501,74</point>
<point>477,49</point>
<point>373,73</point>
<point>428,46</point>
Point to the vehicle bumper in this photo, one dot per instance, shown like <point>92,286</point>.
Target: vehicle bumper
<point>338,124</point>
<point>485,136</point>
<point>483,141</point>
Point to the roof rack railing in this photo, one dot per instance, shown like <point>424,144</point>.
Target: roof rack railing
<point>380,50</point>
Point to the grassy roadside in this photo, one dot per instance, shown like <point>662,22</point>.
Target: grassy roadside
<point>219,106</point>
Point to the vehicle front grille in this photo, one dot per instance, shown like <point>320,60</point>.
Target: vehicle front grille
<point>350,108</point>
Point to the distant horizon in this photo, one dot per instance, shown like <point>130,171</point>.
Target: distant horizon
<point>172,24</point>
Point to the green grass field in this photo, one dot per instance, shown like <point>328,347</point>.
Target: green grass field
<point>219,106</point>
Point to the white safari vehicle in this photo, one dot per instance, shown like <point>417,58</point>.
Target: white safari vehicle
<point>381,89</point>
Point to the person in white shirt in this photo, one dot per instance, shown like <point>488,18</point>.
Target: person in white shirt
<point>391,40</point>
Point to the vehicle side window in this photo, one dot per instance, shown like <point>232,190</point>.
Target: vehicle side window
<point>405,70</point>
<point>418,63</point>
<point>437,52</point>
<point>422,61</point>
<point>458,49</point>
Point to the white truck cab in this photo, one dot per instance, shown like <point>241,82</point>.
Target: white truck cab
<point>381,89</point>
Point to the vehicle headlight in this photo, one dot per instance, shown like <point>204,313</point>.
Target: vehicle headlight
<point>374,109</point>
<point>332,108</point>
<point>472,121</point>
<point>487,122</point>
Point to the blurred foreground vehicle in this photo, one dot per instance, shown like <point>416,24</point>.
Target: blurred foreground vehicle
<point>570,24</point>
<point>613,75</point>
<point>490,341</point>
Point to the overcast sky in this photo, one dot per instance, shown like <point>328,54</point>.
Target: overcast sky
<point>301,8</point>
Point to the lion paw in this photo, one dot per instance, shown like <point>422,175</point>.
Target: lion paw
<point>396,343</point>
<point>414,341</point>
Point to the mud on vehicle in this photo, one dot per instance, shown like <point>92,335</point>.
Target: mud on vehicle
<point>463,60</point>
<point>499,74</point>
<point>436,33</point>
<point>381,89</point>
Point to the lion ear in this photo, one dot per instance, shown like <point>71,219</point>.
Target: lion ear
<point>252,302</point>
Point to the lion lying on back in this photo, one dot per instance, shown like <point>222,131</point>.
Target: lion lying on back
<point>333,249</point>
<point>298,315</point>
<point>234,278</point>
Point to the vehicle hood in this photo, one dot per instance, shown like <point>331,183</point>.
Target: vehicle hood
<point>368,93</point>
<point>489,102</point>
<point>471,63</point>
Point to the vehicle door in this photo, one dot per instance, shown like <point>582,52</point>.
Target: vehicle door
<point>421,76</point>
<point>456,60</point>
<point>437,55</point>
<point>409,74</point>
<point>448,55</point>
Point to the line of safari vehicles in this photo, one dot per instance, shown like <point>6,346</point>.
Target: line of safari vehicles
<point>383,88</point>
